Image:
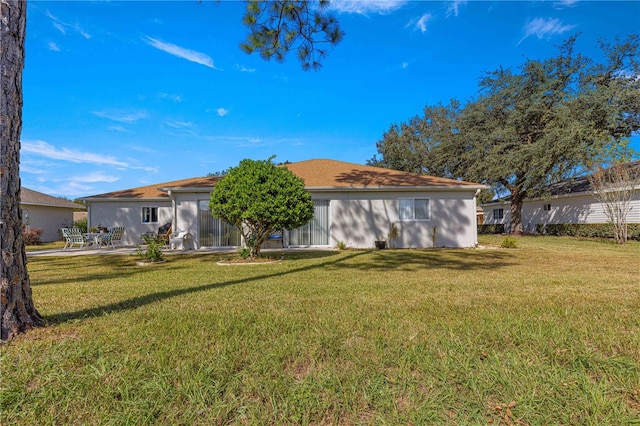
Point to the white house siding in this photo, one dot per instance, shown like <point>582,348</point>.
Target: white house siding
<point>49,219</point>
<point>358,218</point>
<point>576,209</point>
<point>129,215</point>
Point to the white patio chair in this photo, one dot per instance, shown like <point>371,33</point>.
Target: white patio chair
<point>72,236</point>
<point>114,236</point>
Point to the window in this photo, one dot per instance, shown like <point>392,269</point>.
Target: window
<point>414,208</point>
<point>498,213</point>
<point>547,207</point>
<point>149,215</point>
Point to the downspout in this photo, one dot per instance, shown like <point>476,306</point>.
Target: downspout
<point>174,209</point>
<point>88,216</point>
<point>475,216</point>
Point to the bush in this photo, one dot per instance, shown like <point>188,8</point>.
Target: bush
<point>81,224</point>
<point>491,229</point>
<point>32,236</point>
<point>590,230</point>
<point>509,242</point>
<point>341,245</point>
<point>153,252</point>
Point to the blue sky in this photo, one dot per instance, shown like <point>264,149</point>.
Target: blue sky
<point>125,94</point>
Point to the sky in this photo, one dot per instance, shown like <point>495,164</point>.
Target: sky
<point>125,94</point>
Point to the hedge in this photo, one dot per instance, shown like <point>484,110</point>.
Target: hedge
<point>595,230</point>
<point>491,229</point>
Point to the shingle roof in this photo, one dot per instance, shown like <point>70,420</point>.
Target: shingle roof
<point>331,173</point>
<point>316,174</point>
<point>155,191</point>
<point>31,197</point>
<point>580,184</point>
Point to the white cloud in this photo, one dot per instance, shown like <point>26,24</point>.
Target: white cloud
<point>118,129</point>
<point>242,68</point>
<point>420,23</point>
<point>544,28</point>
<point>44,149</point>
<point>222,112</point>
<point>366,7</point>
<point>563,4</point>
<point>453,8</point>
<point>175,98</point>
<point>179,124</point>
<point>181,52</point>
<point>53,46</point>
<point>405,65</point>
<point>63,27</point>
<point>120,116</point>
<point>95,177</point>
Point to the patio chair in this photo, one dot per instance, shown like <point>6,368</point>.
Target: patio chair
<point>165,232</point>
<point>72,236</point>
<point>184,240</point>
<point>114,236</point>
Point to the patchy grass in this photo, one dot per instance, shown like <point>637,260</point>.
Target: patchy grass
<point>548,333</point>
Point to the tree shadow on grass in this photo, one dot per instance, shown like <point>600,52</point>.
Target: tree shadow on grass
<point>387,260</point>
<point>89,268</point>
<point>417,260</point>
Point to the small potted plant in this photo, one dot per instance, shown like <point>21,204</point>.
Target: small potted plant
<point>380,243</point>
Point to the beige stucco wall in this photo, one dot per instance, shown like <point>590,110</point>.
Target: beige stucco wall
<point>49,219</point>
<point>359,218</point>
<point>129,215</point>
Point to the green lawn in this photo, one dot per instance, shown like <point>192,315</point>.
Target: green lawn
<point>548,333</point>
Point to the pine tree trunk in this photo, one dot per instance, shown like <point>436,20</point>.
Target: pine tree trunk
<point>18,314</point>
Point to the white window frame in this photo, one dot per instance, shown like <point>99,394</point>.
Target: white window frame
<point>498,214</point>
<point>412,209</point>
<point>147,212</point>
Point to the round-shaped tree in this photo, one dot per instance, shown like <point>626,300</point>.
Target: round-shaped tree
<point>261,198</point>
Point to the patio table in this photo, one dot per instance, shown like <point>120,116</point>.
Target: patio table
<point>95,239</point>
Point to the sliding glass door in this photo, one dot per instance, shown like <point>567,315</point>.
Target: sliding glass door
<point>215,232</point>
<point>316,231</point>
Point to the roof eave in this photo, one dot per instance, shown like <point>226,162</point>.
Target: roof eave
<point>438,188</point>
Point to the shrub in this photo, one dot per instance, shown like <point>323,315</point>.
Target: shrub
<point>153,251</point>
<point>244,252</point>
<point>509,242</point>
<point>491,229</point>
<point>81,224</point>
<point>31,236</point>
<point>590,230</point>
<point>341,245</point>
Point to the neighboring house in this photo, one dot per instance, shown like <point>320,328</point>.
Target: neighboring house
<point>568,201</point>
<point>354,204</point>
<point>45,212</point>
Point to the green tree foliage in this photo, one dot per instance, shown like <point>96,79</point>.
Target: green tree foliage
<point>277,27</point>
<point>261,198</point>
<point>527,128</point>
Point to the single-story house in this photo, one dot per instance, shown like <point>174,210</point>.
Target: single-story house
<point>45,212</point>
<point>568,201</point>
<point>354,204</point>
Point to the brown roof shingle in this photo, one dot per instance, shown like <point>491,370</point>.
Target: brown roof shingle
<point>155,191</point>
<point>31,197</point>
<point>332,173</point>
<point>316,174</point>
